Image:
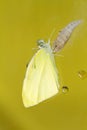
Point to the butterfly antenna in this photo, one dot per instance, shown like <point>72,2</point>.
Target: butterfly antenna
<point>51,35</point>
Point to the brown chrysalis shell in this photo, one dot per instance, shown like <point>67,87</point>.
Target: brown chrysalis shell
<point>64,36</point>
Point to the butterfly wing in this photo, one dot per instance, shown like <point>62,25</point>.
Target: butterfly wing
<point>41,79</point>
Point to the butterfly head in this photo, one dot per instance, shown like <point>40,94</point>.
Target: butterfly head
<point>41,43</point>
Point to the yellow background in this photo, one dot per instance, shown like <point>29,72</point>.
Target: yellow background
<point>22,23</point>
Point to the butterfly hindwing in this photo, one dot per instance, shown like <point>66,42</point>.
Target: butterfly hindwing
<point>40,81</point>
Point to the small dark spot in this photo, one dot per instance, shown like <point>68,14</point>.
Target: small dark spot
<point>65,89</point>
<point>55,45</point>
<point>27,65</point>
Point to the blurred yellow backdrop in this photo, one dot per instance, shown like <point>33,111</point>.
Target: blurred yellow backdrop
<point>22,23</point>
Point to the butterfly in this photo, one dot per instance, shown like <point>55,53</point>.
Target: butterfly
<point>41,80</point>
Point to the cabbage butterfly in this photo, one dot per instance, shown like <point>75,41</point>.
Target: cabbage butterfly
<point>41,80</point>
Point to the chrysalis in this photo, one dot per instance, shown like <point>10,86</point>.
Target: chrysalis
<point>64,36</point>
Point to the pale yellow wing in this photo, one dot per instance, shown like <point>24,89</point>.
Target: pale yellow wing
<point>41,79</point>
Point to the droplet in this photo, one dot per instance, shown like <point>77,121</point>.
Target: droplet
<point>65,89</point>
<point>82,74</point>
